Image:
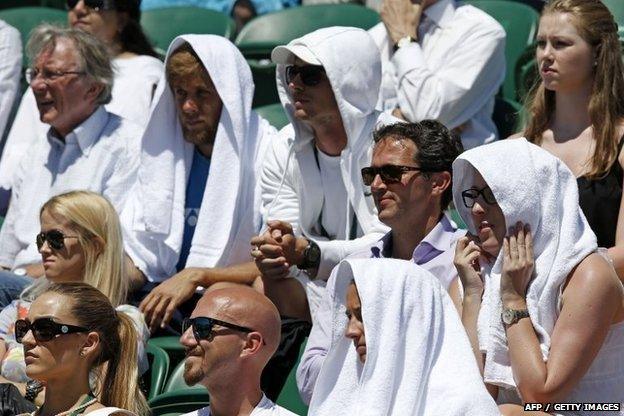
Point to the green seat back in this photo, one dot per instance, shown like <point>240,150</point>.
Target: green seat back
<point>258,38</point>
<point>172,347</point>
<point>56,4</point>
<point>520,23</point>
<point>176,381</point>
<point>457,219</point>
<point>158,371</point>
<point>274,114</point>
<point>289,396</point>
<point>507,117</point>
<point>617,10</point>
<point>263,73</point>
<point>164,25</point>
<point>178,402</point>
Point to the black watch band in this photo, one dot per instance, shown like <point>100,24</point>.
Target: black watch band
<point>311,257</point>
<point>33,388</point>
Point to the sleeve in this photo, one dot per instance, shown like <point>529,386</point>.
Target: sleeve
<point>471,75</point>
<point>10,66</point>
<point>10,246</point>
<point>124,172</point>
<point>334,251</point>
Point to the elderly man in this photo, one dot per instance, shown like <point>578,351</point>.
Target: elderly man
<point>311,184</point>
<point>410,179</point>
<point>85,147</point>
<point>230,337</point>
<point>441,61</point>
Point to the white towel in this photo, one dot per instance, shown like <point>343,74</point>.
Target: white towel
<point>532,186</point>
<point>229,214</point>
<point>419,360</point>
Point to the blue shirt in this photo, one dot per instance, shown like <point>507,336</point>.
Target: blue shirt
<point>194,195</point>
<point>223,6</point>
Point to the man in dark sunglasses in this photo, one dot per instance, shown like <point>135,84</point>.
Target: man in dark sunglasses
<point>229,339</point>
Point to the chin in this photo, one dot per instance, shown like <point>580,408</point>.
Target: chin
<point>363,358</point>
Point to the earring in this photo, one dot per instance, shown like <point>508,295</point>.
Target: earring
<point>595,63</point>
<point>82,353</point>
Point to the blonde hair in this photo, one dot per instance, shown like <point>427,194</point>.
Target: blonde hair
<point>99,233</point>
<point>184,62</point>
<point>597,27</point>
<point>118,345</point>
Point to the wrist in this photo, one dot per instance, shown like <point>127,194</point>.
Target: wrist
<point>299,256</point>
<point>513,301</point>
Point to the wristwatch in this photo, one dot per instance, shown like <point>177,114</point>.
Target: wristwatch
<point>404,41</point>
<point>311,257</point>
<point>33,387</point>
<point>511,316</point>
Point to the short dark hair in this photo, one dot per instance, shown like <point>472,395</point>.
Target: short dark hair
<point>436,147</point>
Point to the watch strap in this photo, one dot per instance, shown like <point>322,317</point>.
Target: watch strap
<point>33,388</point>
<point>406,40</point>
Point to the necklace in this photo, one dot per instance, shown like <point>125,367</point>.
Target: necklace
<point>88,401</point>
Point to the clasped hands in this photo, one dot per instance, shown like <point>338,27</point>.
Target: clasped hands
<point>277,250</point>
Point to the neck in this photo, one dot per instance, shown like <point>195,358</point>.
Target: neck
<point>571,113</point>
<point>241,401</point>
<point>330,137</point>
<point>205,149</point>
<point>63,394</point>
<point>63,130</point>
<point>405,238</point>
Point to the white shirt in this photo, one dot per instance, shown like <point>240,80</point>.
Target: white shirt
<point>100,155</point>
<point>264,408</point>
<point>451,74</point>
<point>335,201</point>
<point>10,68</point>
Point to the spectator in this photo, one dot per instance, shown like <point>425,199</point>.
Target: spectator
<point>311,183</point>
<point>441,61</point>
<point>137,71</point>
<point>230,337</point>
<point>86,147</point>
<point>72,329</point>
<point>397,347</point>
<point>11,65</point>
<point>532,279</point>
<point>80,241</point>
<point>577,110</point>
<point>410,179</point>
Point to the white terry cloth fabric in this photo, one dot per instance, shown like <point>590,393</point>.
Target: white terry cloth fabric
<point>538,189</point>
<point>135,81</point>
<point>230,213</point>
<point>10,69</point>
<point>418,357</point>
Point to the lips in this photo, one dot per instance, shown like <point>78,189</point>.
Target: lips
<point>29,357</point>
<point>485,224</point>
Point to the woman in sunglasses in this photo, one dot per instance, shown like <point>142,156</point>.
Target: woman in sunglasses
<point>543,310</point>
<point>80,241</point>
<point>70,331</point>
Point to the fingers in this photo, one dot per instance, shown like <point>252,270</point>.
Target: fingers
<point>158,313</point>
<point>283,226</point>
<point>270,250</point>
<point>513,244</point>
<point>520,241</point>
<point>506,254</point>
<point>171,308</point>
<point>529,243</point>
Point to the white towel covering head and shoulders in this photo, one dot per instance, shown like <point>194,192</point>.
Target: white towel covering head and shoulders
<point>229,214</point>
<point>536,188</point>
<point>418,357</point>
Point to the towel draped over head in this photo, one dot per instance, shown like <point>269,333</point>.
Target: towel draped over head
<point>229,214</point>
<point>536,188</point>
<point>419,360</point>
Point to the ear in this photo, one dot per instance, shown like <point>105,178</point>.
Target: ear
<point>89,347</point>
<point>253,344</point>
<point>94,91</point>
<point>440,181</point>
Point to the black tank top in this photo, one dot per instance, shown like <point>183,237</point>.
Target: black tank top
<point>600,201</point>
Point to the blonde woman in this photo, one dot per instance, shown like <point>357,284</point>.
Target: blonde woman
<point>80,241</point>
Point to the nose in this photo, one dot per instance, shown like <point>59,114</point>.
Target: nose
<point>188,339</point>
<point>295,83</point>
<point>478,209</point>
<point>45,248</point>
<point>80,8</point>
<point>353,330</point>
<point>189,106</point>
<point>29,339</point>
<point>377,183</point>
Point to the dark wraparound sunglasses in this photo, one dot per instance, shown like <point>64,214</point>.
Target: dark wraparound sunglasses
<point>389,173</point>
<point>469,196</point>
<point>44,329</point>
<point>55,239</point>
<point>202,326</point>
<point>96,5</point>
<point>310,75</point>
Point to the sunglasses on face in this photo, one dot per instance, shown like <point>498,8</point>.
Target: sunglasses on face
<point>469,196</point>
<point>310,75</point>
<point>202,327</point>
<point>95,5</point>
<point>55,239</point>
<point>44,329</point>
<point>388,173</point>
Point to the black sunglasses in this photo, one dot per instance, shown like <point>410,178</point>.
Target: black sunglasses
<point>310,75</point>
<point>96,5</point>
<point>55,239</point>
<point>388,173</point>
<point>202,326</point>
<point>469,196</point>
<point>44,329</point>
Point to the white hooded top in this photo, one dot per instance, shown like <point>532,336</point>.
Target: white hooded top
<point>532,186</point>
<point>418,357</point>
<point>229,214</point>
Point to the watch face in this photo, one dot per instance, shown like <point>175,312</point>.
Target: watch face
<point>508,316</point>
<point>314,254</point>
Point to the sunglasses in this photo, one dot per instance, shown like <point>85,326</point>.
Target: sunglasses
<point>310,75</point>
<point>388,173</point>
<point>202,326</point>
<point>55,239</point>
<point>44,329</point>
<point>469,196</point>
<point>95,5</point>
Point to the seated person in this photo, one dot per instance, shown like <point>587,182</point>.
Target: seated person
<point>86,147</point>
<point>80,241</point>
<point>71,330</point>
<point>229,339</point>
<point>532,280</point>
<point>441,60</point>
<point>410,179</point>
<point>398,347</point>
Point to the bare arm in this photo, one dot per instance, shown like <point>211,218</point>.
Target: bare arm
<point>617,251</point>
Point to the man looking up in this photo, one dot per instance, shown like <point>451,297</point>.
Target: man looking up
<point>410,179</point>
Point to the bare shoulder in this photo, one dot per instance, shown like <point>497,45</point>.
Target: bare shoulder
<point>594,275</point>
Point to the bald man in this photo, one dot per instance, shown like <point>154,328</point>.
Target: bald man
<point>229,339</point>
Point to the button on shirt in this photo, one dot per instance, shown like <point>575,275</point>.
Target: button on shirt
<point>100,155</point>
<point>451,74</point>
<point>434,253</point>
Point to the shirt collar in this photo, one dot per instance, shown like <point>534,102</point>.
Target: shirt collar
<point>441,13</point>
<point>87,132</point>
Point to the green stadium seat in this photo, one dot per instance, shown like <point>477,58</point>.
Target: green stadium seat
<point>164,25</point>
<point>25,19</point>
<point>289,396</point>
<point>520,23</point>
<point>158,371</point>
<point>172,347</point>
<point>55,4</point>
<point>178,402</point>
<point>263,73</point>
<point>452,212</point>
<point>617,10</point>
<point>9,4</point>
<point>274,114</point>
<point>176,381</point>
<point>507,116</point>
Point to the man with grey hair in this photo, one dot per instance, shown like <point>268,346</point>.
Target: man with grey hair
<point>85,148</point>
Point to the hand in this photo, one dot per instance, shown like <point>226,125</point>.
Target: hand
<point>398,114</point>
<point>518,262</point>
<point>466,262</point>
<point>277,250</point>
<point>401,18</point>
<point>160,304</point>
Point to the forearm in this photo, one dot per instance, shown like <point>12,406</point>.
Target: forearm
<point>243,273</point>
<point>469,316</point>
